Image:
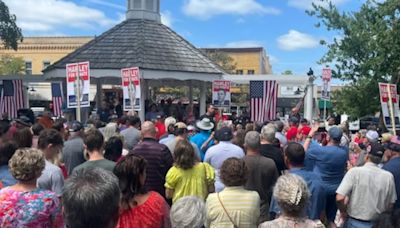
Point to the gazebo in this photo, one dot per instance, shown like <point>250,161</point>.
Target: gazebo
<point>163,56</point>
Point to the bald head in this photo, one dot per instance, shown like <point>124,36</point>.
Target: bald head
<point>148,130</point>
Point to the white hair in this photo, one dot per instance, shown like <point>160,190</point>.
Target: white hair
<point>188,212</point>
<point>268,133</point>
<point>110,130</point>
<point>168,121</point>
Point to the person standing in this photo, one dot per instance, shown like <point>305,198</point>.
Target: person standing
<point>370,191</point>
<point>269,150</point>
<point>330,163</point>
<point>392,153</point>
<point>91,198</point>
<point>262,172</point>
<point>217,154</point>
<point>23,204</point>
<point>131,134</point>
<point>294,160</point>
<point>234,206</point>
<point>204,136</point>
<point>158,157</point>
<point>94,143</point>
<point>279,133</point>
<point>50,142</point>
<point>73,148</point>
<point>292,132</point>
<point>181,132</point>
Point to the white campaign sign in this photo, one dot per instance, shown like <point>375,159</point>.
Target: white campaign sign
<point>131,88</point>
<point>78,84</point>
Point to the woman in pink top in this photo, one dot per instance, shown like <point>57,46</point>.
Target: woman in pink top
<point>139,208</point>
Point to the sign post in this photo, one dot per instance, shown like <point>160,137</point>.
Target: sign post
<point>78,86</point>
<point>131,88</point>
<point>326,90</point>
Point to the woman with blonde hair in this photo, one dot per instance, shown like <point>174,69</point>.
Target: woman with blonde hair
<point>23,204</point>
<point>292,195</point>
<point>188,177</point>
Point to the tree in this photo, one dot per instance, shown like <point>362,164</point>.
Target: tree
<point>10,65</point>
<point>366,51</point>
<point>287,72</point>
<point>223,60</point>
<point>10,33</point>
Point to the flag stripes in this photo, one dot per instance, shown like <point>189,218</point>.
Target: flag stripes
<point>263,100</point>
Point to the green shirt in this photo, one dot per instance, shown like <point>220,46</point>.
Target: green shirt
<point>103,163</point>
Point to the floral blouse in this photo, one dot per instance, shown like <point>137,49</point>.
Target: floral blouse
<point>38,208</point>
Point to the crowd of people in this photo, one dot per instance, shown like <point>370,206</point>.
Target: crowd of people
<point>172,172</point>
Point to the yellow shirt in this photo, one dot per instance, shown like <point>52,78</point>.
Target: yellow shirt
<point>242,205</point>
<point>190,182</point>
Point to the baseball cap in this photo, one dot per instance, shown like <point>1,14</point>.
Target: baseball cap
<point>76,126</point>
<point>372,135</point>
<point>393,144</point>
<point>294,120</point>
<point>376,149</point>
<point>224,134</point>
<point>335,133</point>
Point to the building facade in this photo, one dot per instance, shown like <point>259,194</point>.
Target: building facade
<point>40,52</point>
<point>247,60</point>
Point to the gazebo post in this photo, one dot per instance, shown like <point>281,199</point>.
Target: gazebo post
<point>143,97</point>
<point>190,85</point>
<point>203,97</point>
<point>99,92</point>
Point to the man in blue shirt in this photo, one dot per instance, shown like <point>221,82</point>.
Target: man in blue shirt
<point>203,139</point>
<point>392,152</point>
<point>294,159</point>
<point>330,163</point>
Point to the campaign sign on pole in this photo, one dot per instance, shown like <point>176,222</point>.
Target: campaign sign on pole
<point>221,93</point>
<point>326,85</point>
<point>131,88</point>
<point>389,103</point>
<point>78,84</point>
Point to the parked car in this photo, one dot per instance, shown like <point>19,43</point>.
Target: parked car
<point>363,123</point>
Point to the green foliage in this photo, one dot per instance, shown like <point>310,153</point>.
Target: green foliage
<point>11,65</point>
<point>223,60</point>
<point>10,34</point>
<point>365,52</point>
<point>287,72</point>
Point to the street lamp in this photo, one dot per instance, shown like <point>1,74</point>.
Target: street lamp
<point>310,95</point>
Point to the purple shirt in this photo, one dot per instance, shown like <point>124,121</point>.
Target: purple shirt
<point>159,161</point>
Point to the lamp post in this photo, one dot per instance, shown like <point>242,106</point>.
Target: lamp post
<point>308,113</point>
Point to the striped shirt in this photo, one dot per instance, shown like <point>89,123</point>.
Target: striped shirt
<point>242,205</point>
<point>159,161</point>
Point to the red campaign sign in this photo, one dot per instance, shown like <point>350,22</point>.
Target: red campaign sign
<point>220,84</point>
<point>326,74</point>
<point>134,71</point>
<point>383,89</point>
<point>125,77</point>
<point>72,72</point>
<point>84,70</point>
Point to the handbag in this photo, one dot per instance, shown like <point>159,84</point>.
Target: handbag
<point>226,212</point>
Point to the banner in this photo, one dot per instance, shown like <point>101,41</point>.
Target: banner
<point>385,104</point>
<point>131,88</point>
<point>221,93</point>
<point>78,84</point>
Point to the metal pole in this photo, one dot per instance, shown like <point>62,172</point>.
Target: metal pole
<point>324,109</point>
<point>390,103</point>
<point>78,97</point>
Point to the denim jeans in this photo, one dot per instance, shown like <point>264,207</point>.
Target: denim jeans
<point>352,223</point>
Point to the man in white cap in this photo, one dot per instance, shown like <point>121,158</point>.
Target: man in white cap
<point>204,135</point>
<point>372,137</point>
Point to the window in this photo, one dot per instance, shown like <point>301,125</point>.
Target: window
<point>28,67</point>
<point>250,72</point>
<point>239,71</point>
<point>46,64</point>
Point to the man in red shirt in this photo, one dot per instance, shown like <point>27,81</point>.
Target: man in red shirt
<point>292,132</point>
<point>159,124</point>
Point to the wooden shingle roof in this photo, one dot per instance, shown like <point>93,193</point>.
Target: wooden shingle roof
<point>142,43</point>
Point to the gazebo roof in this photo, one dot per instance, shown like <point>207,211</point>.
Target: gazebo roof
<point>141,43</point>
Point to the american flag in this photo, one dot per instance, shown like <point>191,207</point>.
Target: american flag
<point>263,99</point>
<point>12,97</point>
<point>57,95</point>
